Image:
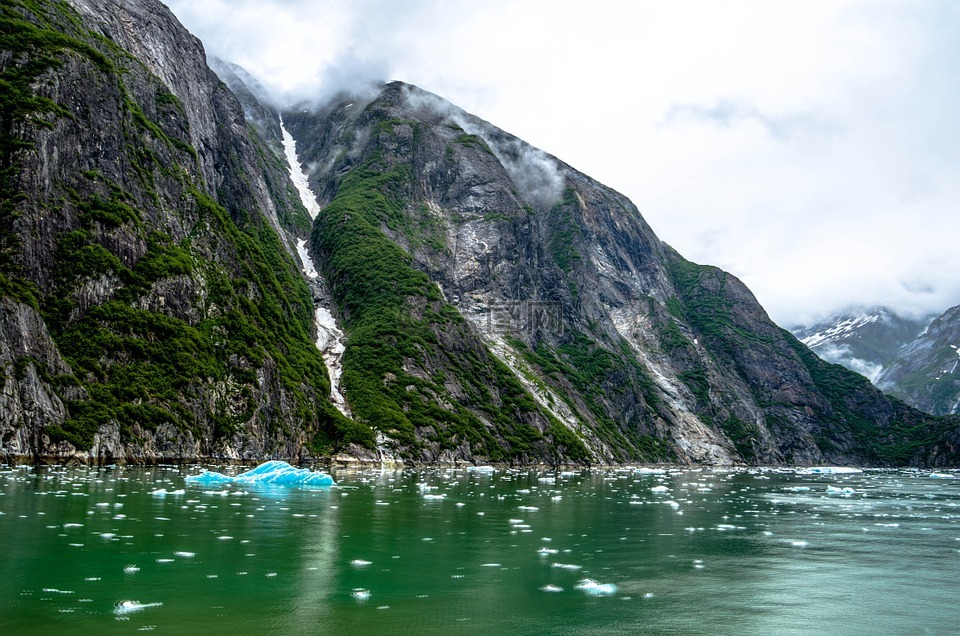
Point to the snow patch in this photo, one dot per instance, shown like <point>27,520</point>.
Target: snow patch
<point>297,175</point>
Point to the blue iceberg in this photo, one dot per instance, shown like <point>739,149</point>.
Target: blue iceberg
<point>273,473</point>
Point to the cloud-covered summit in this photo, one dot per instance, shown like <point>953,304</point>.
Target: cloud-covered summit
<point>809,148</point>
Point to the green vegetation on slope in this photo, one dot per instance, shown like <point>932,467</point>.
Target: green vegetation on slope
<point>134,362</point>
<point>398,324</point>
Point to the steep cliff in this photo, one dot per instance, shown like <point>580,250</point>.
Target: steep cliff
<point>443,238</point>
<point>152,306</point>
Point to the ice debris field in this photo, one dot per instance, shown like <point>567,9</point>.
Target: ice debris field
<point>144,546</point>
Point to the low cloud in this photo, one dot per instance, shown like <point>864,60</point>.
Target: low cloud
<point>727,113</point>
<point>535,174</point>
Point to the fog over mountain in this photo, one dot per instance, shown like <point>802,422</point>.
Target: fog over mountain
<point>810,149</point>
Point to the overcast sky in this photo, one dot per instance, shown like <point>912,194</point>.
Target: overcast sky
<point>811,148</point>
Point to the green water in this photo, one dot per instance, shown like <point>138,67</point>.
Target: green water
<point>457,552</point>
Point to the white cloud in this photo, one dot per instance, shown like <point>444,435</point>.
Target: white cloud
<point>809,147</point>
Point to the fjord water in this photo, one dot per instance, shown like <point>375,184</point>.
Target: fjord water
<point>122,550</point>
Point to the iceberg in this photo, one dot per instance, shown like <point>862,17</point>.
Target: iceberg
<point>273,473</point>
<point>123,608</point>
<point>592,588</point>
<point>828,470</point>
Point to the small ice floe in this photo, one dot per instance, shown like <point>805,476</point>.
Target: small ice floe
<point>164,560</point>
<point>648,471</point>
<point>275,473</point>
<point>360,563</point>
<point>942,476</point>
<point>480,469</point>
<point>361,594</point>
<point>566,566</point>
<point>659,489</point>
<point>122,608</point>
<point>798,489</point>
<point>131,569</point>
<point>829,470</point>
<point>648,595</point>
<point>528,508</point>
<point>433,496</point>
<point>163,492</point>
<point>846,491</point>
<point>551,588</point>
<point>491,565</point>
<point>547,551</point>
<point>185,555</point>
<point>725,527</point>
<point>799,544</point>
<point>593,588</point>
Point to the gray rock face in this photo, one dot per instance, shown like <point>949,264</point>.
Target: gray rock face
<point>926,372</point>
<point>640,353</point>
<point>153,309</point>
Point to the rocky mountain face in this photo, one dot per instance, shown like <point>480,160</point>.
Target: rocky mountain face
<point>460,250</point>
<point>925,373</point>
<point>865,341</point>
<point>494,303</point>
<point>151,306</point>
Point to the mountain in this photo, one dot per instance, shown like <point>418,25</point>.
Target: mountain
<point>152,307</point>
<point>925,372</point>
<point>865,340</point>
<point>173,288</point>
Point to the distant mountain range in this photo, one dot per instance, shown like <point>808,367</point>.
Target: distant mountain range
<point>914,359</point>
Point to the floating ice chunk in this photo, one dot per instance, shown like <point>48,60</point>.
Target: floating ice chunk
<point>269,473</point>
<point>551,588</point>
<point>799,544</point>
<point>829,470</point>
<point>648,471</point>
<point>491,565</point>
<point>433,496</point>
<point>592,588</point>
<point>131,569</point>
<point>846,491</point>
<point>185,555</point>
<point>360,563</point>
<point>546,551</point>
<point>123,608</point>
<point>798,489</point>
<point>361,594</point>
<point>942,476</point>
<point>566,566</point>
<point>659,489</point>
<point>529,508</point>
<point>163,492</point>
<point>480,469</point>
